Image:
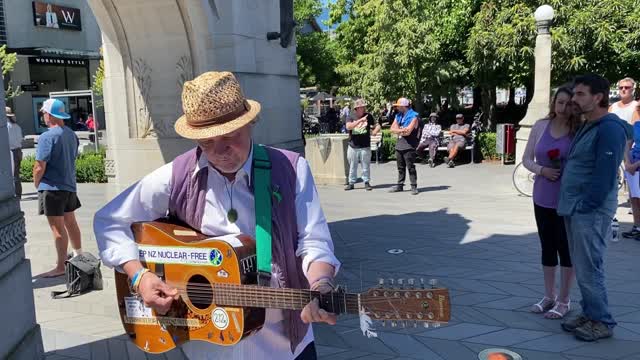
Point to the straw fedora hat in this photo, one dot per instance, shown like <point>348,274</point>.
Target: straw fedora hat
<point>214,105</point>
<point>359,103</point>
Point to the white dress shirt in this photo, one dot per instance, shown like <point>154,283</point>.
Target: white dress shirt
<point>149,199</point>
<point>15,135</point>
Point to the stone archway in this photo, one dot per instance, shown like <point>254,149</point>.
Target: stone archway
<point>151,47</point>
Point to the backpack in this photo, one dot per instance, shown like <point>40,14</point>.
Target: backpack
<point>82,274</point>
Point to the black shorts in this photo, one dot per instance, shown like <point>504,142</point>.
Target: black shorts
<point>56,203</point>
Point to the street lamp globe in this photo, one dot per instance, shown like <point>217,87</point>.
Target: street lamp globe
<point>544,13</point>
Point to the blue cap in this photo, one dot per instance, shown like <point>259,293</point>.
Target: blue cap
<point>55,108</point>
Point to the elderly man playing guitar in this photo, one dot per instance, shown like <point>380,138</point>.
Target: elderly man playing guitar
<point>211,189</point>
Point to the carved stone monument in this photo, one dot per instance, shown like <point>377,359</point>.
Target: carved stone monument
<point>20,336</point>
<point>151,47</point>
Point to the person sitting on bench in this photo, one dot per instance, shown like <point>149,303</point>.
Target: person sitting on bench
<point>459,132</point>
<point>429,139</point>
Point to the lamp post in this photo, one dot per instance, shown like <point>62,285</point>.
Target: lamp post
<point>539,106</point>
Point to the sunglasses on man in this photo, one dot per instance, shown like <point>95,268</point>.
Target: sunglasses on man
<point>624,87</point>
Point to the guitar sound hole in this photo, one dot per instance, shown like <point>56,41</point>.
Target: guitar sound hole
<point>200,292</point>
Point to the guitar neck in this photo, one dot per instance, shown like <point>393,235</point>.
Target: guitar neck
<point>288,299</point>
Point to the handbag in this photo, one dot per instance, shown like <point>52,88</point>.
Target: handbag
<point>82,274</point>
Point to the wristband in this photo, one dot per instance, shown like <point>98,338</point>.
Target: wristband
<point>137,277</point>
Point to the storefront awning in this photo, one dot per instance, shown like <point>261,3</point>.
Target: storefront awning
<point>56,52</point>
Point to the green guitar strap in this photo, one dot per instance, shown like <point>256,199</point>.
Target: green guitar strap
<point>262,196</point>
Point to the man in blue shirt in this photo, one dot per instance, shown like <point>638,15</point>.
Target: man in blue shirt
<point>588,201</point>
<point>406,127</point>
<point>54,175</point>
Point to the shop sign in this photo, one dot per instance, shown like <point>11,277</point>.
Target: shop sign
<point>29,87</point>
<point>56,17</point>
<point>38,60</point>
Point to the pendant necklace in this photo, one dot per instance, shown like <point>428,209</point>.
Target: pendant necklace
<point>232,214</point>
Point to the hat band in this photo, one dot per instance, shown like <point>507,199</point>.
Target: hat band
<point>221,119</point>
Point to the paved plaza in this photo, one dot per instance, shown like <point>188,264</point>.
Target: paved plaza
<point>467,228</point>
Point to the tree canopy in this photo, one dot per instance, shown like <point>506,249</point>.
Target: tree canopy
<point>385,49</point>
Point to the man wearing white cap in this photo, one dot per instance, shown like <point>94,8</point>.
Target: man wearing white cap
<point>54,175</point>
<point>405,126</point>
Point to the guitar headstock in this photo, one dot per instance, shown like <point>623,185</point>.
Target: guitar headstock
<point>412,303</point>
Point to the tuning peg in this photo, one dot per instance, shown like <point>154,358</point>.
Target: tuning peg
<point>426,325</point>
<point>381,282</point>
<point>433,283</point>
<point>391,281</point>
<point>384,323</point>
<point>404,324</point>
<point>422,283</point>
<point>436,325</point>
<point>394,324</point>
<point>411,282</point>
<point>400,282</point>
<point>415,324</point>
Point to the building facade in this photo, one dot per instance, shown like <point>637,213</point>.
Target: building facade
<point>57,42</point>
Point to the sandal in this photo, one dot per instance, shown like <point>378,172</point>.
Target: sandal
<point>543,305</point>
<point>554,313</point>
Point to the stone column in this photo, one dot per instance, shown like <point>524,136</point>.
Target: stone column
<point>539,106</point>
<point>20,336</point>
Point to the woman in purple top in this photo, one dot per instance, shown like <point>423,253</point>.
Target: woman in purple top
<point>545,155</point>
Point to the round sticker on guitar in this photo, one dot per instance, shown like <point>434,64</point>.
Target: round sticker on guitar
<point>220,318</point>
<point>215,257</point>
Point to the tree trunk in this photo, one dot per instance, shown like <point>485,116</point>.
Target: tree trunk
<point>489,106</point>
<point>477,98</point>
<point>512,98</point>
<point>418,104</point>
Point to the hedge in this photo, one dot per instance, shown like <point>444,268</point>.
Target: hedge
<point>89,168</point>
<point>388,150</point>
<point>486,141</point>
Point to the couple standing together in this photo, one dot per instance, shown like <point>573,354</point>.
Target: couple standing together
<point>575,153</point>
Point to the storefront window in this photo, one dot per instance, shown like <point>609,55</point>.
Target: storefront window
<point>48,78</point>
<point>77,78</point>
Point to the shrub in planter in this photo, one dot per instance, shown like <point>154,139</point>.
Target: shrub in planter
<point>26,168</point>
<point>90,168</point>
<point>389,141</point>
<point>487,144</point>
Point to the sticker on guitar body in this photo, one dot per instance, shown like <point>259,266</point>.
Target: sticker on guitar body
<point>180,255</point>
<point>138,313</point>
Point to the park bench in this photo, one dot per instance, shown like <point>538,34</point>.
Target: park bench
<point>470,145</point>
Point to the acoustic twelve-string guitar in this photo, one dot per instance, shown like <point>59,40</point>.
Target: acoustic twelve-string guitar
<point>220,301</point>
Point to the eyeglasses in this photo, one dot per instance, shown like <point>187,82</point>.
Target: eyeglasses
<point>624,87</point>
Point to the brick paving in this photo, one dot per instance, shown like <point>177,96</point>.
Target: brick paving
<point>468,228</point>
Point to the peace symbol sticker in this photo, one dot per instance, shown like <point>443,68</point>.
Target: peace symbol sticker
<point>215,257</point>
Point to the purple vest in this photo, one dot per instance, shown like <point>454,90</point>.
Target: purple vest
<point>187,201</point>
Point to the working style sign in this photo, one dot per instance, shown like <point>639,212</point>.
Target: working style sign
<point>56,17</point>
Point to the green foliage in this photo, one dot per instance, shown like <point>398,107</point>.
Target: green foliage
<point>486,141</point>
<point>89,168</point>
<point>601,37</point>
<point>26,168</point>
<point>393,48</point>
<point>97,85</point>
<point>316,52</point>
<point>9,61</point>
<point>388,149</point>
